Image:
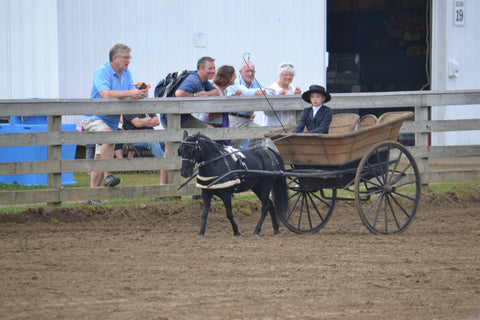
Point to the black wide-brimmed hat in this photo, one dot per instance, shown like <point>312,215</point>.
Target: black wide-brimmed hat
<point>317,89</point>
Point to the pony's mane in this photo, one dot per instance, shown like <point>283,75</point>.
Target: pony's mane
<point>208,143</point>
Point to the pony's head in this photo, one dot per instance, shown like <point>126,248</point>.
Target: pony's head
<point>196,149</point>
<point>189,151</point>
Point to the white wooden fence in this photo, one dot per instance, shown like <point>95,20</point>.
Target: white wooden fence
<point>54,138</point>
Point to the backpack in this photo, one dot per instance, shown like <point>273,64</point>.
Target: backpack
<point>167,87</point>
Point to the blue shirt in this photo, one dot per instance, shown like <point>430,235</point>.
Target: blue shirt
<point>246,90</point>
<point>192,84</point>
<point>105,78</point>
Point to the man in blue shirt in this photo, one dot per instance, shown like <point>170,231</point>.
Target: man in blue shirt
<point>249,85</point>
<point>196,84</point>
<point>111,80</point>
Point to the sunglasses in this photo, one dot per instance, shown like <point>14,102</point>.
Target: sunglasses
<point>287,65</point>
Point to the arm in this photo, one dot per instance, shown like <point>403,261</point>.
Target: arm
<point>301,123</point>
<point>181,93</point>
<point>132,93</point>
<point>147,122</point>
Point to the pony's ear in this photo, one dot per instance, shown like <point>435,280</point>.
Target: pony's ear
<point>185,134</point>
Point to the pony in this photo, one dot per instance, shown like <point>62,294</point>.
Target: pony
<point>223,171</point>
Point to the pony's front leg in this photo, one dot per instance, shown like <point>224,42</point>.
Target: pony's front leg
<point>207,199</point>
<point>227,202</point>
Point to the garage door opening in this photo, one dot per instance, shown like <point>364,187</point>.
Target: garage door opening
<point>378,45</point>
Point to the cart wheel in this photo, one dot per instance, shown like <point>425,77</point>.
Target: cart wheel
<point>387,188</point>
<point>309,208</point>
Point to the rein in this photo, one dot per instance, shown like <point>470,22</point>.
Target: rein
<point>261,89</point>
<point>223,156</point>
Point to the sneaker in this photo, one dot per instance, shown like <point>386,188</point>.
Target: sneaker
<point>94,202</point>
<point>111,181</point>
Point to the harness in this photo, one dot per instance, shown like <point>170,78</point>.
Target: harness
<point>235,170</point>
<point>238,157</point>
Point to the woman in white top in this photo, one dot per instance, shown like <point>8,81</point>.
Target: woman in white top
<point>286,72</point>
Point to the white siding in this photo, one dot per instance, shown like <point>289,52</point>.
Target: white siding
<point>28,38</point>
<point>161,35</point>
<point>460,45</point>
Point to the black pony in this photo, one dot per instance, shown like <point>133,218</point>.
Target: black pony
<point>233,171</point>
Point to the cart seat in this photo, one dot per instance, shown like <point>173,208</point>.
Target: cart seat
<point>366,121</point>
<point>343,123</point>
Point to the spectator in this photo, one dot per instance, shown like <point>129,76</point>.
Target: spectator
<point>249,85</point>
<point>146,122</point>
<point>286,72</point>
<point>196,84</point>
<point>318,117</point>
<point>111,80</point>
<point>224,78</point>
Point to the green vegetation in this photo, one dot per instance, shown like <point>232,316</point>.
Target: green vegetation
<point>153,178</point>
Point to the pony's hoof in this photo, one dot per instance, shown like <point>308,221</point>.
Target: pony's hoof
<point>238,235</point>
<point>201,235</point>
<point>276,232</point>
<point>256,234</point>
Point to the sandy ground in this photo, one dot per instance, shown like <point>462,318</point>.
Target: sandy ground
<point>146,262</point>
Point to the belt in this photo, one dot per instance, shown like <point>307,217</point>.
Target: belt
<point>240,115</point>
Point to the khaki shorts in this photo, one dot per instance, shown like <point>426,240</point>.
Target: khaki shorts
<point>95,125</point>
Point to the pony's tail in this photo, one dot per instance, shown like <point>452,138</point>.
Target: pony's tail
<point>280,194</point>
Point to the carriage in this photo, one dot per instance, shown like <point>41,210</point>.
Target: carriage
<point>358,160</point>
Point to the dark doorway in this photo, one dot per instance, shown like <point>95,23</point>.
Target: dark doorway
<point>378,45</point>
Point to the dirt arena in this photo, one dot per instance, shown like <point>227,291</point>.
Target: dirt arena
<point>146,262</point>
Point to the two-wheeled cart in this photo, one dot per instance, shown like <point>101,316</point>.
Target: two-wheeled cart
<point>367,162</point>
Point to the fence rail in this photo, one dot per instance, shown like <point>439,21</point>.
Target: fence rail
<point>54,138</point>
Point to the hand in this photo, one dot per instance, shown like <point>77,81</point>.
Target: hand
<point>200,94</point>
<point>238,92</point>
<point>138,94</point>
<point>282,92</point>
<point>154,121</point>
<point>298,90</point>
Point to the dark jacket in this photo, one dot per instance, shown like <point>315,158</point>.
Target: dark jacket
<point>319,124</point>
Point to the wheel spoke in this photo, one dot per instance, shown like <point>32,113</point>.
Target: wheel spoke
<point>400,206</point>
<point>387,188</point>
<point>314,206</point>
<point>294,205</point>
<point>374,204</point>
<point>307,210</point>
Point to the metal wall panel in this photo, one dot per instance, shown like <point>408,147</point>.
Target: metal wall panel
<point>28,39</point>
<point>453,44</point>
<point>163,34</point>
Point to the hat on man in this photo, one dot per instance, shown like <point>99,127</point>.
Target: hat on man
<point>317,89</point>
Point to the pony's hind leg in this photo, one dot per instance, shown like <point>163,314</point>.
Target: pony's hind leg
<point>227,202</point>
<point>258,228</point>
<point>267,206</point>
<point>271,209</point>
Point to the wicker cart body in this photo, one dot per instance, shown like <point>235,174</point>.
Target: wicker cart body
<point>360,156</point>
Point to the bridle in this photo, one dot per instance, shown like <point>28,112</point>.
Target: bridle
<point>197,148</point>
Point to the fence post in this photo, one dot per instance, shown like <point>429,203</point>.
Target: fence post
<point>54,152</point>
<point>421,140</point>
<point>174,123</point>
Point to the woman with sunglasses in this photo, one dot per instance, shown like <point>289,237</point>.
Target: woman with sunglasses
<point>286,72</point>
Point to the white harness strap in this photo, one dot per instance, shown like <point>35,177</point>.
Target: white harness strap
<point>222,185</point>
<point>234,153</point>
